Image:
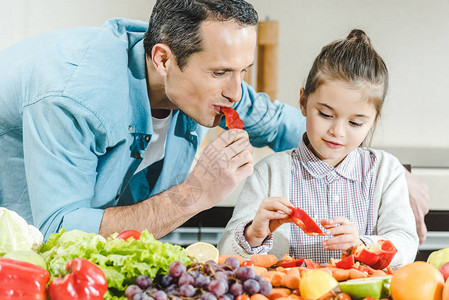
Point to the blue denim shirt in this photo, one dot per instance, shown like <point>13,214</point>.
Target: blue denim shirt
<point>75,119</point>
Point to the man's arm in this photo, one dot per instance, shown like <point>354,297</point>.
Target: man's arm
<point>419,201</point>
<point>211,181</point>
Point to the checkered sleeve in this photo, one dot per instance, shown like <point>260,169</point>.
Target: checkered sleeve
<point>242,242</point>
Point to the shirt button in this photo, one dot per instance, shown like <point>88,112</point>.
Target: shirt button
<point>336,198</point>
<point>147,138</point>
<point>130,128</point>
<point>137,155</point>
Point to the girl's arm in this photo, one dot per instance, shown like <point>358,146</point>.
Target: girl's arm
<point>395,220</point>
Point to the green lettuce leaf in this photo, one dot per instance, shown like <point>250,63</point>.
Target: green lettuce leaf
<point>121,261</point>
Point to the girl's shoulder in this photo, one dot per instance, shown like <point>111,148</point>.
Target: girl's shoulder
<point>381,159</point>
<point>276,160</point>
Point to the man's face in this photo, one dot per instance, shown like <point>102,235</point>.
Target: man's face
<point>212,77</point>
<point>338,120</point>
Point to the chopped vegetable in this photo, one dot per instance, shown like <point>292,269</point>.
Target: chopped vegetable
<point>377,256</point>
<point>232,118</point>
<point>125,235</point>
<point>304,221</point>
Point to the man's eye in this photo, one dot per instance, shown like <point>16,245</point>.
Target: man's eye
<point>219,73</point>
<point>355,124</point>
<point>324,115</point>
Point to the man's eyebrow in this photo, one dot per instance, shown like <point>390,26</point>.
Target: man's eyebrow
<point>331,108</point>
<point>231,69</point>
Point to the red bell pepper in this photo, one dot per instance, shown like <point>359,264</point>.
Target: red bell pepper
<point>232,118</point>
<point>378,256</point>
<point>304,221</point>
<point>21,280</point>
<point>85,280</point>
<point>346,262</point>
<point>125,235</point>
<point>293,263</point>
<point>310,264</point>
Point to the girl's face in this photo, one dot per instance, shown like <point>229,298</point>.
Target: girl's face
<point>338,120</point>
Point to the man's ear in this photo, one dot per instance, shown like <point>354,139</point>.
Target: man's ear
<point>161,56</point>
<point>302,102</point>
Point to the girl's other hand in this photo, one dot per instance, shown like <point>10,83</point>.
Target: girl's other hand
<point>345,234</point>
<point>272,213</point>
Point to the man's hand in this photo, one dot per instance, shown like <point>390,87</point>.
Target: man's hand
<point>419,201</point>
<point>272,213</point>
<point>224,163</point>
<point>345,234</point>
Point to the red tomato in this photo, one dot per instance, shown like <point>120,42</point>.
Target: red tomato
<point>247,263</point>
<point>125,235</point>
<point>242,297</point>
<point>342,296</point>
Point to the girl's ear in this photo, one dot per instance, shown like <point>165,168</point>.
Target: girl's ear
<point>161,57</point>
<point>302,102</point>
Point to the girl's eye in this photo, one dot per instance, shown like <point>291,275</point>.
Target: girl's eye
<point>324,115</point>
<point>355,124</point>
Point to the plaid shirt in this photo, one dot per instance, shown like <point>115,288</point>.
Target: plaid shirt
<point>325,192</point>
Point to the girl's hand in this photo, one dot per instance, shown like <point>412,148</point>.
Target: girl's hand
<point>346,234</point>
<point>272,213</point>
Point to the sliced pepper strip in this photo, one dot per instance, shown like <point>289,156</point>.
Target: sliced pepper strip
<point>378,256</point>
<point>232,118</point>
<point>345,263</point>
<point>125,235</point>
<point>293,263</point>
<point>304,221</point>
<point>85,280</point>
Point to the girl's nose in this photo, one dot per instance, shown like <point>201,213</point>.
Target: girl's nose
<point>337,129</point>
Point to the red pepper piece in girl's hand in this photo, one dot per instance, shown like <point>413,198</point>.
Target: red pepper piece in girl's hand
<point>85,280</point>
<point>377,256</point>
<point>304,221</point>
<point>232,118</point>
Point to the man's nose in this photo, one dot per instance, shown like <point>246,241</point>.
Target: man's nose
<point>233,88</point>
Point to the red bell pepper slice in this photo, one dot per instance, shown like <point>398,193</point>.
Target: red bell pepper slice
<point>310,264</point>
<point>85,280</point>
<point>304,221</point>
<point>378,256</point>
<point>232,118</point>
<point>125,235</point>
<point>346,262</point>
<point>293,263</point>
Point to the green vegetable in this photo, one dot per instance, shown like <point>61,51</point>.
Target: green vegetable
<point>28,256</point>
<point>16,233</point>
<point>121,261</point>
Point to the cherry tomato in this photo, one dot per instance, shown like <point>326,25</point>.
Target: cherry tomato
<point>242,297</point>
<point>247,263</point>
<point>342,296</point>
<point>125,235</point>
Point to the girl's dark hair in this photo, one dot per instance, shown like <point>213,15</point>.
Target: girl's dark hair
<point>176,23</point>
<point>352,60</point>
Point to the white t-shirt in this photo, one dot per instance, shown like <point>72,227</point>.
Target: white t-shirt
<point>156,148</point>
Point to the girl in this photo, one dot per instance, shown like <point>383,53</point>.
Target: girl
<point>359,194</point>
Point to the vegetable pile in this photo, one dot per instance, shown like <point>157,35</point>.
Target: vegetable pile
<point>122,261</point>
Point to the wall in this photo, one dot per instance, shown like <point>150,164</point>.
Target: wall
<point>411,35</point>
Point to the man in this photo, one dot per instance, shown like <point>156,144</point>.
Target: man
<point>105,122</point>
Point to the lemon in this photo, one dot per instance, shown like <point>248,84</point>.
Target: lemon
<point>315,283</point>
<point>202,252</point>
<point>372,287</point>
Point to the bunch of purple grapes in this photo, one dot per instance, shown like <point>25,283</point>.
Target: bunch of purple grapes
<point>206,281</point>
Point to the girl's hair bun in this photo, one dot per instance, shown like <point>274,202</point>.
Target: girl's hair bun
<point>358,36</point>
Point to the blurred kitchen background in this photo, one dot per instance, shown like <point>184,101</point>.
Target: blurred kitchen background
<point>411,35</point>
